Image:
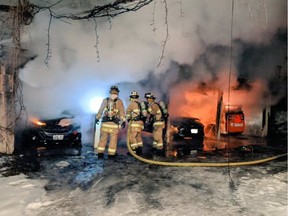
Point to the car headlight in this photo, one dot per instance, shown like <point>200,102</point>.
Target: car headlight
<point>194,131</point>
<point>39,123</point>
<point>64,122</point>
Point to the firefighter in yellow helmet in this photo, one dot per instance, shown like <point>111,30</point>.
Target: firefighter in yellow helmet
<point>155,115</point>
<point>135,118</point>
<point>112,112</point>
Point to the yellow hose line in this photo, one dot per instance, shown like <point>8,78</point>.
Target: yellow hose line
<point>196,164</point>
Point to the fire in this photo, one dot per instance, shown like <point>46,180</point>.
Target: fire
<point>39,123</point>
<point>190,99</point>
<point>195,104</point>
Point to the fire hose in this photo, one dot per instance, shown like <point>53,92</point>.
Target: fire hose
<point>197,164</point>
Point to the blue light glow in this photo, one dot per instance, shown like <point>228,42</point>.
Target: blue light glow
<point>94,104</point>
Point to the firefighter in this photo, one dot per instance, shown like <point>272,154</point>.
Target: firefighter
<point>155,115</point>
<point>134,114</point>
<point>112,112</point>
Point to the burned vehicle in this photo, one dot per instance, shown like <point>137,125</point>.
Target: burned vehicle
<point>42,134</point>
<point>186,134</point>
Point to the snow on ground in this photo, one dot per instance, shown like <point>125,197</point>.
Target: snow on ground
<point>127,187</point>
<point>17,192</point>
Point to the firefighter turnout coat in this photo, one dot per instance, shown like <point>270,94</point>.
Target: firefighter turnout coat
<point>133,114</point>
<point>112,113</point>
<point>158,124</point>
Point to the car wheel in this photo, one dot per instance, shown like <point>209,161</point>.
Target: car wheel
<point>77,143</point>
<point>28,147</point>
<point>198,144</point>
<point>31,152</point>
<point>77,150</point>
<point>186,151</point>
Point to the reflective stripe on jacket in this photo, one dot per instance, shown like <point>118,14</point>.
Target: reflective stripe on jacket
<point>119,110</point>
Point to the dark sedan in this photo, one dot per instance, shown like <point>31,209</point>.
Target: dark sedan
<point>52,133</point>
<point>186,134</point>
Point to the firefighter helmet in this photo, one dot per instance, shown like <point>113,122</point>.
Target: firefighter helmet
<point>114,90</point>
<point>134,94</point>
<point>149,95</point>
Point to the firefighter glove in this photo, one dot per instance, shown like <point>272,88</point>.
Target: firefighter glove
<point>96,121</point>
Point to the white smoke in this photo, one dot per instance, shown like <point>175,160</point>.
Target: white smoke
<point>129,48</point>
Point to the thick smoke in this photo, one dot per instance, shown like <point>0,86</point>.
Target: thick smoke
<point>127,51</point>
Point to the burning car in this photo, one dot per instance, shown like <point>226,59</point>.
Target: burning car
<point>186,134</point>
<point>52,133</point>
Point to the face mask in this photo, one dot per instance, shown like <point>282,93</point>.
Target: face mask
<point>113,96</point>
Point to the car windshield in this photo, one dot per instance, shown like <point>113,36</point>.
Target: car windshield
<point>183,120</point>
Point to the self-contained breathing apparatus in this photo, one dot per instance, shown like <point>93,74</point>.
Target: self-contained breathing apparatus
<point>110,114</point>
<point>163,109</point>
<point>150,121</point>
<point>151,118</point>
<point>162,106</point>
<point>141,114</point>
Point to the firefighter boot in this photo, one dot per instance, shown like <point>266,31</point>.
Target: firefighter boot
<point>139,151</point>
<point>100,155</point>
<point>160,152</point>
<point>112,156</point>
<point>129,154</point>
